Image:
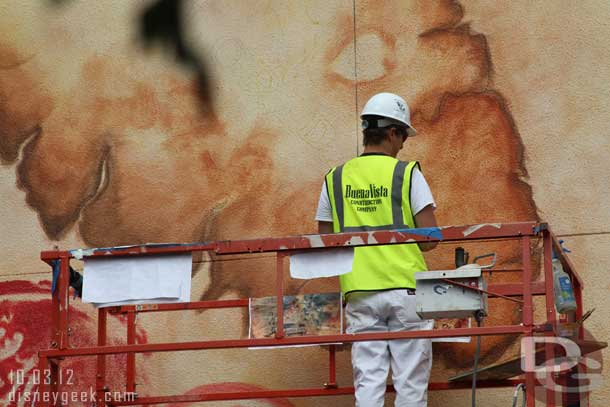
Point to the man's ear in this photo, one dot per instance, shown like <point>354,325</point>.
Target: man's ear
<point>389,132</point>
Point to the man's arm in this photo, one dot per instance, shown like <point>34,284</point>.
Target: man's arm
<point>424,219</point>
<point>325,227</point>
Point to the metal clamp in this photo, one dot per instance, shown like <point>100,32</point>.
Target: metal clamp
<point>487,266</point>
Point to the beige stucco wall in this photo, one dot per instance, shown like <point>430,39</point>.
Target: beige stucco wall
<point>102,144</point>
<point>550,63</point>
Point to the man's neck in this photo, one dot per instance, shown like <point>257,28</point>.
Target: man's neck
<point>379,149</point>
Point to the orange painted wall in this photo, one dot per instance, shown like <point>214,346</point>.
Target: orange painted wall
<point>102,144</point>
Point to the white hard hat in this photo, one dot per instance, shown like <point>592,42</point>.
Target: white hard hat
<point>391,106</point>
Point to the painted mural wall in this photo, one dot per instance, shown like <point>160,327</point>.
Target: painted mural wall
<point>103,144</point>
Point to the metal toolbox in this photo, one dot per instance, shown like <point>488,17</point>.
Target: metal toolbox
<point>444,293</point>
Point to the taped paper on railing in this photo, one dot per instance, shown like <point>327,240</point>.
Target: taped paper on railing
<point>304,315</point>
<point>321,263</point>
<point>137,280</point>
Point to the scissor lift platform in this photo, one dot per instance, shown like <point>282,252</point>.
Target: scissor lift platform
<point>524,232</point>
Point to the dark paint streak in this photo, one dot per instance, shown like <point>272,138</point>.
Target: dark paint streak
<point>58,205</point>
<point>457,13</point>
<point>24,104</point>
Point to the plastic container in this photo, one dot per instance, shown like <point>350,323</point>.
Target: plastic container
<point>564,293</point>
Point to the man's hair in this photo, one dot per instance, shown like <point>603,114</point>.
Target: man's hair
<point>374,137</point>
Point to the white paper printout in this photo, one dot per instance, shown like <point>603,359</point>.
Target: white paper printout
<point>137,280</point>
<point>321,263</point>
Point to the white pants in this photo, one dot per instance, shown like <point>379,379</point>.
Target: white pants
<point>410,359</point>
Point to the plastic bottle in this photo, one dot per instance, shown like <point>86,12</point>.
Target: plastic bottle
<point>564,294</point>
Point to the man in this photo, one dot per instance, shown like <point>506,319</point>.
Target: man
<point>377,191</point>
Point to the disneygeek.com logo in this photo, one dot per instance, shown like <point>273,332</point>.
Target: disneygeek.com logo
<point>34,380</point>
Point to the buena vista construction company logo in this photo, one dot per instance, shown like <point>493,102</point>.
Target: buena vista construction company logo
<point>373,191</point>
<point>365,199</point>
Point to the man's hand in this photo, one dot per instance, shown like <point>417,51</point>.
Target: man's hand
<point>426,219</point>
<point>325,227</point>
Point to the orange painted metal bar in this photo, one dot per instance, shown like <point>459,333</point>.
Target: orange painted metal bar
<point>279,327</point>
<point>183,306</point>
<point>130,387</point>
<point>515,289</point>
<point>295,340</point>
<point>503,289</point>
<point>581,368</point>
<point>528,317</point>
<point>373,238</point>
<point>61,304</point>
<point>332,368</point>
<point>43,386</point>
<point>568,267</point>
<point>550,313</point>
<point>100,376</point>
<point>307,392</point>
<point>55,338</point>
<point>64,303</point>
<point>566,378</point>
<point>55,381</point>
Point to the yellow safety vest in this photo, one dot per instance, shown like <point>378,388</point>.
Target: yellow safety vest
<point>368,193</point>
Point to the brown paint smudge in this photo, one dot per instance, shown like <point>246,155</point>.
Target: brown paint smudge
<point>81,144</point>
<point>208,181</point>
<point>24,104</point>
<point>463,49</point>
<point>59,185</point>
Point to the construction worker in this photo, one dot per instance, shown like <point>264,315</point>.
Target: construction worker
<point>377,191</point>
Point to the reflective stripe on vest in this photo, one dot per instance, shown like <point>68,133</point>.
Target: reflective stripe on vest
<point>375,267</point>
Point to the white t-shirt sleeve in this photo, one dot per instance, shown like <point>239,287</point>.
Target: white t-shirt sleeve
<point>421,196</point>
<point>324,212</point>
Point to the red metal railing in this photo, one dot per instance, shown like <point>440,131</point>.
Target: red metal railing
<point>523,231</point>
